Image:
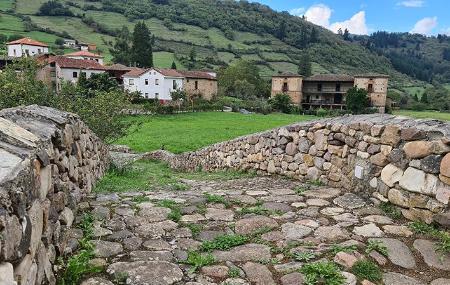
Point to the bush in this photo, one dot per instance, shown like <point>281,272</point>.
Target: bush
<point>281,102</point>
<point>357,100</point>
<point>321,112</point>
<point>364,269</point>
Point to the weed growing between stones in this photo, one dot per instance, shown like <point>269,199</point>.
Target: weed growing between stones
<point>391,211</point>
<point>366,269</point>
<point>234,272</point>
<point>443,245</point>
<point>217,199</point>
<point>377,246</point>
<point>323,272</point>
<point>197,260</point>
<point>304,256</point>
<point>316,183</point>
<point>224,242</point>
<point>78,265</point>
<point>120,278</point>
<point>300,190</point>
<point>140,199</point>
<point>335,248</point>
<point>195,229</point>
<point>175,210</point>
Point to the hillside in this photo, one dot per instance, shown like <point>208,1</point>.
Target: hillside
<point>220,31</point>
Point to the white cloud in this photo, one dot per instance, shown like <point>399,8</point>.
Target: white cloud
<point>411,3</point>
<point>447,31</point>
<point>355,25</point>
<point>298,11</point>
<point>424,26</point>
<point>319,14</point>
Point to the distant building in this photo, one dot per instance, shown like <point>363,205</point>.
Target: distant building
<point>153,83</point>
<point>85,55</point>
<point>87,47</point>
<point>26,47</point>
<point>64,69</point>
<point>200,83</point>
<point>329,90</point>
<point>68,43</point>
<point>117,71</point>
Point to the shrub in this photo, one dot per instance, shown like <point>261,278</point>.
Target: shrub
<point>198,260</point>
<point>324,272</point>
<point>281,102</point>
<point>224,242</point>
<point>357,100</point>
<point>321,112</point>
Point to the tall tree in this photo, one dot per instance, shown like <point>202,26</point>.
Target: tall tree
<point>121,51</point>
<point>281,31</point>
<point>314,38</point>
<point>142,48</point>
<point>174,65</point>
<point>305,67</point>
<point>346,35</point>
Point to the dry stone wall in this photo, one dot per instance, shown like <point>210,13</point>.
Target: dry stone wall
<point>49,160</point>
<point>395,159</point>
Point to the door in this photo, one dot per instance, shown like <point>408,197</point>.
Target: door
<point>337,98</point>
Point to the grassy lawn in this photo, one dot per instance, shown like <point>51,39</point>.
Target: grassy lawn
<point>186,132</point>
<point>146,175</point>
<point>424,114</point>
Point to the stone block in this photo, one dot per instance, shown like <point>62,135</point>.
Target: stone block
<point>391,175</point>
<point>418,181</point>
<point>445,165</point>
<point>418,149</point>
<point>391,135</point>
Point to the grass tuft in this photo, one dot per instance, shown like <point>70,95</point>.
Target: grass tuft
<point>224,242</point>
<point>377,246</point>
<point>391,211</point>
<point>197,260</point>
<point>323,272</point>
<point>365,269</point>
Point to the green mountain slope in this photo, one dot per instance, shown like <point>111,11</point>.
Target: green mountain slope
<point>220,31</point>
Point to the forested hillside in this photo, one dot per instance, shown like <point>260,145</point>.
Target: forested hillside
<point>217,33</point>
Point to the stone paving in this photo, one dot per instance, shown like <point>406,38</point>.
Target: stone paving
<point>138,242</point>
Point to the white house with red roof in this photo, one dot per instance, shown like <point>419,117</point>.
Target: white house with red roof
<point>153,83</point>
<point>26,47</point>
<point>65,69</point>
<point>87,55</point>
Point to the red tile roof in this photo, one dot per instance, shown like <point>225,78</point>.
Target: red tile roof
<point>27,41</point>
<point>65,62</point>
<point>84,53</point>
<point>118,67</point>
<point>197,74</point>
<point>169,72</point>
<point>135,72</point>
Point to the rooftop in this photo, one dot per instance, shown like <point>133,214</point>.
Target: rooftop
<point>197,74</point>
<point>330,77</point>
<point>84,54</point>
<point>288,74</point>
<point>119,67</point>
<point>27,41</point>
<point>372,75</point>
<point>66,62</point>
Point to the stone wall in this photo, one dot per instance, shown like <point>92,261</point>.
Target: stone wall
<point>49,160</point>
<point>396,159</point>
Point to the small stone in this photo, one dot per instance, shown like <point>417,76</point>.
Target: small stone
<point>142,272</point>
<point>106,248</point>
<point>378,219</point>
<point>250,225</point>
<point>398,253</point>
<point>349,201</point>
<point>215,271</point>
<point>219,215</point>
<point>258,274</point>
<point>440,281</point>
<point>6,273</point>
<point>403,231</point>
<point>317,202</point>
<point>418,149</point>
<point>431,257</point>
<point>322,193</point>
<point>393,278</point>
<point>345,259</point>
<point>157,244</point>
<point>247,252</point>
<point>96,281</point>
<point>391,174</point>
<point>331,233</point>
<point>295,232</point>
<point>369,230</point>
<point>445,165</point>
<point>380,259</point>
<point>293,278</point>
<point>332,211</point>
<point>350,279</point>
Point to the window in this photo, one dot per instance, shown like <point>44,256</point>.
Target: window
<point>146,95</point>
<point>370,88</point>
<point>285,87</point>
<point>146,81</point>
<point>174,84</point>
<point>75,74</point>
<point>338,87</point>
<point>39,50</point>
<point>131,81</point>
<point>14,52</point>
<point>156,95</point>
<point>156,81</point>
<point>196,85</point>
<point>319,87</point>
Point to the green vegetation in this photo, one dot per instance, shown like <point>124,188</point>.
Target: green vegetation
<point>365,269</point>
<point>335,248</point>
<point>187,132</point>
<point>77,266</point>
<point>304,256</point>
<point>424,114</point>
<point>140,199</point>
<point>281,102</point>
<point>224,242</point>
<point>300,190</point>
<point>391,210</point>
<point>197,260</point>
<point>175,209</point>
<point>195,229</point>
<point>323,272</point>
<point>374,245</point>
<point>357,100</point>
<point>146,175</point>
<point>234,272</point>
<point>211,198</point>
<point>443,237</point>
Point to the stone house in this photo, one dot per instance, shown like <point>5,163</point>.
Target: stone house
<point>153,83</point>
<point>329,90</point>
<point>200,83</point>
<point>26,47</point>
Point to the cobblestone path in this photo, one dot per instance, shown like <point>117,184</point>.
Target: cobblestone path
<point>252,231</point>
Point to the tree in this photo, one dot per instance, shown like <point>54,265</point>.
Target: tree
<point>54,8</point>
<point>97,82</point>
<point>424,98</point>
<point>59,41</point>
<point>314,38</point>
<point>357,100</point>
<point>174,65</point>
<point>281,102</point>
<point>142,47</point>
<point>340,32</point>
<point>305,67</point>
<point>192,54</point>
<point>121,51</point>
<point>346,35</point>
<point>281,31</point>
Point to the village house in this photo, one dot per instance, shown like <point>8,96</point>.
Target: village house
<point>329,90</point>
<point>117,71</point>
<point>68,43</point>
<point>26,47</point>
<point>153,83</point>
<point>87,46</point>
<point>64,69</point>
<point>200,83</point>
<point>85,55</point>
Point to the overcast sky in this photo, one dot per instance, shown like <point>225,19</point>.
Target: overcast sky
<point>428,17</point>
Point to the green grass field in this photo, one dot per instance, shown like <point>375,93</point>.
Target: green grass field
<point>424,114</point>
<point>186,132</point>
